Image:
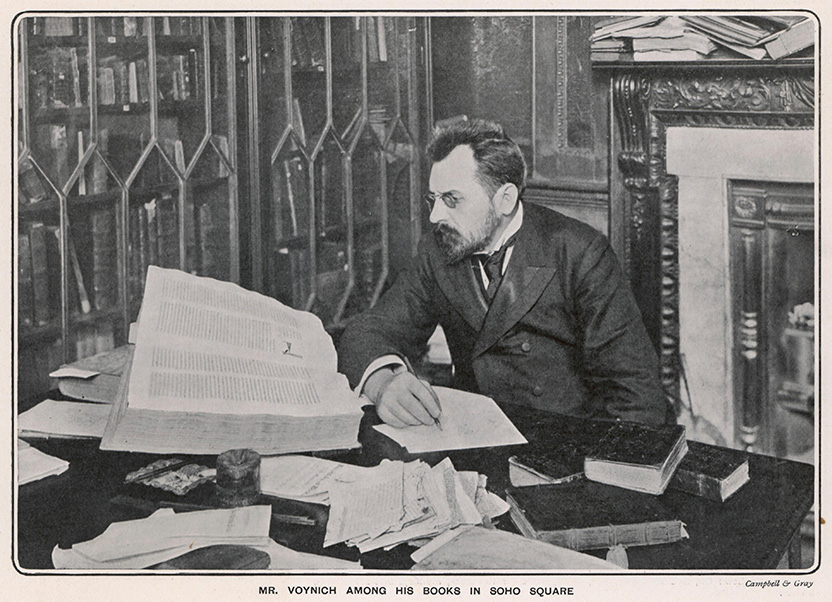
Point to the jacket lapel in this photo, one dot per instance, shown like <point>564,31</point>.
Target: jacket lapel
<point>458,283</point>
<point>526,277</point>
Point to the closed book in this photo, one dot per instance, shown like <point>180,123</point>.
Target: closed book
<point>530,469</point>
<point>794,39</point>
<point>689,40</point>
<point>583,515</point>
<point>637,456</point>
<point>657,56</point>
<point>103,387</point>
<point>712,472</point>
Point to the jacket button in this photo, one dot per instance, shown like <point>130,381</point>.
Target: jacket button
<point>526,346</point>
<point>538,391</point>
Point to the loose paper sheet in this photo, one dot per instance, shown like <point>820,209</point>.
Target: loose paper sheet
<point>65,419</point>
<point>468,421</point>
<point>33,464</point>
<point>304,478</point>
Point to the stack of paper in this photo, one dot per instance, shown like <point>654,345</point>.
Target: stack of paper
<point>398,502</point>
<point>165,535</point>
<point>33,464</point>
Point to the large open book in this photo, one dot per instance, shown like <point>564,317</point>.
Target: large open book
<point>217,367</point>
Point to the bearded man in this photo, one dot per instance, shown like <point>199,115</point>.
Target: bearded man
<point>533,303</point>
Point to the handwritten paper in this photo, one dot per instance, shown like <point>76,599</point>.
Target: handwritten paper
<point>304,478</point>
<point>468,421</point>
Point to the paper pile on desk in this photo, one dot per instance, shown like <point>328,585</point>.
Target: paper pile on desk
<point>164,535</point>
<point>398,502</point>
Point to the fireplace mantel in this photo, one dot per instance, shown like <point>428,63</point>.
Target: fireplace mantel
<point>646,100</point>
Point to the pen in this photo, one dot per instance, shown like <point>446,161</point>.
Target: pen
<point>157,472</point>
<point>410,369</point>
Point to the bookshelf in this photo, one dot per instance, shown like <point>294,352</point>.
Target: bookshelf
<point>126,157</point>
<point>335,172</point>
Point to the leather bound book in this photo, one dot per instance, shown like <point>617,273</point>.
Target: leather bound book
<point>711,472</point>
<point>637,456</point>
<point>560,458</point>
<point>583,515</point>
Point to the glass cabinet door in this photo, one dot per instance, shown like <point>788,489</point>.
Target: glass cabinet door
<point>337,135</point>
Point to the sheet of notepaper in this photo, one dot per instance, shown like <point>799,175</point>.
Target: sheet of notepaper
<point>304,478</point>
<point>467,421</point>
<point>65,418</point>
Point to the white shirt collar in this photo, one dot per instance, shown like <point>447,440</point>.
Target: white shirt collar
<point>511,229</point>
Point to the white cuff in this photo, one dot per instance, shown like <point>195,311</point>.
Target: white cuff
<point>376,364</point>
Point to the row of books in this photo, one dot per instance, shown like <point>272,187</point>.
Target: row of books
<point>600,461</point>
<point>126,26</point>
<point>125,82</point>
<point>93,283</point>
<point>154,240</point>
<point>696,37</point>
<point>309,48</point>
<point>58,78</point>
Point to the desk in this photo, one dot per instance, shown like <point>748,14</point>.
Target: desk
<point>751,530</point>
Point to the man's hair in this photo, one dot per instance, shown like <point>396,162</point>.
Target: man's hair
<point>499,159</point>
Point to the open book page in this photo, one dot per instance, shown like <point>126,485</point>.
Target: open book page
<point>65,419</point>
<point>468,421</point>
<point>208,346</point>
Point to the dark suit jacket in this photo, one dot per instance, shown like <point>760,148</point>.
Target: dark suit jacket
<point>562,334</point>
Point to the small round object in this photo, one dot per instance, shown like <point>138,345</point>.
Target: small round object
<point>238,478</point>
<point>538,391</point>
<point>526,346</point>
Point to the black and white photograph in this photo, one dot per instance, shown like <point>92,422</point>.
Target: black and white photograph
<point>414,302</point>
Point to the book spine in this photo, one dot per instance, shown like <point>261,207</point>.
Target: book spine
<point>40,273</point>
<point>696,484</point>
<point>103,259</point>
<point>594,538</point>
<point>144,250</point>
<point>205,236</point>
<point>152,233</point>
<point>99,169</point>
<point>25,292</point>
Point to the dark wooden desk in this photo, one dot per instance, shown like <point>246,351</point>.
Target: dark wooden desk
<point>751,530</point>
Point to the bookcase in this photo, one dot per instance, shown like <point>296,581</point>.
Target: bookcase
<point>337,120</point>
<point>127,156</point>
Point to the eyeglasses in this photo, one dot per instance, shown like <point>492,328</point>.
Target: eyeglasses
<point>448,198</point>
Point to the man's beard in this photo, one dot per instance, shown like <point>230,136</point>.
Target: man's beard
<point>456,247</point>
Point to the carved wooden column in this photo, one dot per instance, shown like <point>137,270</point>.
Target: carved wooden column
<point>651,265</point>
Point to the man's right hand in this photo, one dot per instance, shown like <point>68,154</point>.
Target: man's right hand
<point>401,398</point>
